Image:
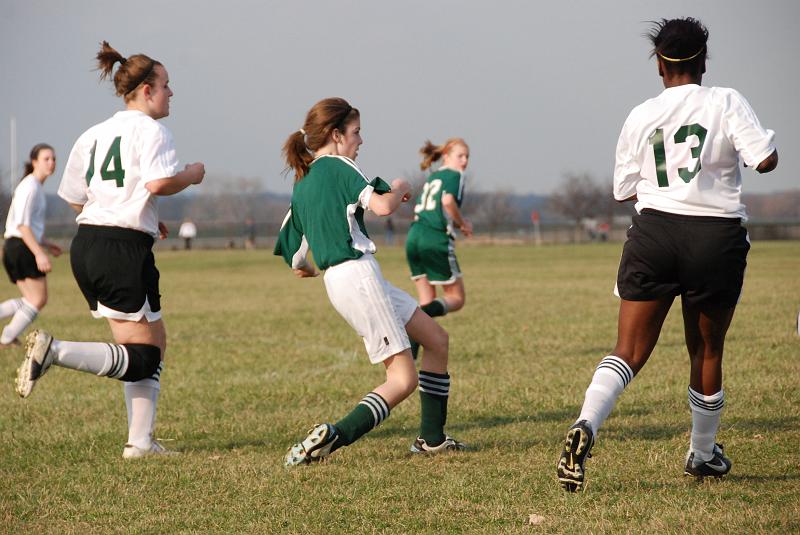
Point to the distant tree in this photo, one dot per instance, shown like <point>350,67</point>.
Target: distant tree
<point>581,197</point>
<point>492,211</point>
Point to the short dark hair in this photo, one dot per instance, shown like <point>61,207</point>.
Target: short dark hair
<point>681,43</point>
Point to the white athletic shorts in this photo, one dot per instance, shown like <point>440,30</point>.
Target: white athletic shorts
<point>374,308</point>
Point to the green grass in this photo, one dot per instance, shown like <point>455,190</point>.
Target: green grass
<point>257,356</point>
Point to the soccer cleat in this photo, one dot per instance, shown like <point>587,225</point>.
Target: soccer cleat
<point>718,466</point>
<point>315,447</point>
<point>577,446</point>
<point>38,359</point>
<point>133,452</point>
<point>449,444</point>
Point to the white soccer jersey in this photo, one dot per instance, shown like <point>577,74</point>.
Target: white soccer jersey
<point>109,166</point>
<point>28,207</point>
<point>679,152</point>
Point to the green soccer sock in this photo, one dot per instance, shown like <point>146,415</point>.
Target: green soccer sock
<point>367,415</point>
<point>434,389</point>
<point>437,307</point>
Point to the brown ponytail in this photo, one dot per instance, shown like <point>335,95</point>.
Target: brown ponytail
<point>432,153</point>
<point>322,119</point>
<point>133,71</point>
<point>39,147</point>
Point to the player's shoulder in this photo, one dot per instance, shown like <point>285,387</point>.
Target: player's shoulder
<point>445,173</point>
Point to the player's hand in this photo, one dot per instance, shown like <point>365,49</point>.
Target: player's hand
<point>43,263</point>
<point>54,249</point>
<point>466,228</point>
<point>305,272</point>
<point>198,171</point>
<point>163,231</point>
<point>402,188</point>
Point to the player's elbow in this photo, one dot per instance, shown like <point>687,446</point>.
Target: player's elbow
<point>769,163</point>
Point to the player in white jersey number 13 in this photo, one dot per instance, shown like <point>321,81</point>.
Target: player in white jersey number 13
<point>678,157</point>
<point>114,173</point>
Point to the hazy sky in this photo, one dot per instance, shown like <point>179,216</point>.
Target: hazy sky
<point>537,89</point>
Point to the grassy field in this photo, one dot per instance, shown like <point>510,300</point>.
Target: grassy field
<point>257,356</point>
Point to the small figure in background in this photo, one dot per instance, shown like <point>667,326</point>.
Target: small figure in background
<point>188,232</point>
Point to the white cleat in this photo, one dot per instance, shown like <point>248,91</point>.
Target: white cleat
<point>449,444</point>
<point>38,359</point>
<point>134,452</point>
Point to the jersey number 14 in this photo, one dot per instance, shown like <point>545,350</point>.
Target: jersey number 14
<point>657,141</point>
<point>112,156</point>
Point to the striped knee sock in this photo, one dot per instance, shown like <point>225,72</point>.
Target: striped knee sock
<point>8,307</point>
<point>23,316</point>
<point>367,415</point>
<point>706,414</point>
<point>99,358</point>
<point>610,378</point>
<point>434,390</point>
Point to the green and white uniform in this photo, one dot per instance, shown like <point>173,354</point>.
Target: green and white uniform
<point>430,245</point>
<point>327,217</point>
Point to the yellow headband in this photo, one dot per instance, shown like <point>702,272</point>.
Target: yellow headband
<point>673,60</point>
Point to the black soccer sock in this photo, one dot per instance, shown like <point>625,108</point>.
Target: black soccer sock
<point>434,390</point>
<point>437,307</point>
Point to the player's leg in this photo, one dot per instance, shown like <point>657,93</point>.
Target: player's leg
<point>426,292</point>
<point>25,310</point>
<point>639,327</point>
<point>141,396</point>
<point>434,385</point>
<point>705,331</point>
<point>455,295</point>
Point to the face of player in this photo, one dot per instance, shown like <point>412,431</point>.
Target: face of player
<point>348,142</point>
<point>45,164</point>
<point>160,93</point>
<point>457,158</point>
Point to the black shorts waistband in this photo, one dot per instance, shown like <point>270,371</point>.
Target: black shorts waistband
<point>693,218</point>
<point>116,233</point>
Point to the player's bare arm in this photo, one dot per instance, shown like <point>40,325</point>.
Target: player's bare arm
<point>451,207</point>
<point>769,163</point>
<point>192,174</point>
<point>387,203</point>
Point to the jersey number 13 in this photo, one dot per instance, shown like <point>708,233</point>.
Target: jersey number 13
<point>657,141</point>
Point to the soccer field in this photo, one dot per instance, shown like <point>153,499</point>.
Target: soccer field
<point>257,356</point>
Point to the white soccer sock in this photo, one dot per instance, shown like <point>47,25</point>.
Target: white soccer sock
<point>610,378</point>
<point>23,317</point>
<point>10,306</point>
<point>706,413</point>
<point>141,400</point>
<point>102,359</point>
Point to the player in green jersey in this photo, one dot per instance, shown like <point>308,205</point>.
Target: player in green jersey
<point>329,198</point>
<point>430,245</point>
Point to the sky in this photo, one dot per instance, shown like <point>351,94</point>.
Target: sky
<point>539,90</point>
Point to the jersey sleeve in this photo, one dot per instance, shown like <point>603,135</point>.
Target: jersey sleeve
<point>453,183</point>
<point>73,184</point>
<point>627,169</point>
<point>753,143</point>
<point>292,244</point>
<point>358,189</point>
<point>23,204</point>
<point>158,158</point>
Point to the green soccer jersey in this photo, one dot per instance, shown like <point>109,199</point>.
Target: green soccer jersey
<point>327,214</point>
<point>429,210</point>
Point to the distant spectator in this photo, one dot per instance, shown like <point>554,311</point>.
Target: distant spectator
<point>188,232</point>
<point>389,236</point>
<point>249,233</point>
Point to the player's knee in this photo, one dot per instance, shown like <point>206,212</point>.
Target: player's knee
<point>143,361</point>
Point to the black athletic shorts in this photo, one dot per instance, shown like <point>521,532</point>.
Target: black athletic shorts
<point>115,267</point>
<point>19,261</point>
<point>702,259</point>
